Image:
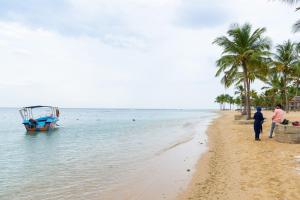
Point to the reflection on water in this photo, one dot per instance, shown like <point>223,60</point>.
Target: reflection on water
<point>92,151</point>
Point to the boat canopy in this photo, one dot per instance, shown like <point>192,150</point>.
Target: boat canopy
<point>26,112</point>
<point>39,107</point>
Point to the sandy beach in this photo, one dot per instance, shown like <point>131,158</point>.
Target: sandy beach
<point>237,167</point>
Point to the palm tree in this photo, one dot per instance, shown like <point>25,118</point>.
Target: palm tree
<point>228,99</point>
<point>274,88</point>
<point>285,61</point>
<point>238,102</point>
<point>231,101</point>
<point>221,100</point>
<point>256,99</point>
<point>296,78</point>
<point>244,52</point>
<point>240,92</point>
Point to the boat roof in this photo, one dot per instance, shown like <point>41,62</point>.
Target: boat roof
<point>39,107</point>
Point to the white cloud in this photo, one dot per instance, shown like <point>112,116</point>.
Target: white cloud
<point>124,53</point>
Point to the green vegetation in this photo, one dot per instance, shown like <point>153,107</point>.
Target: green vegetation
<point>247,57</point>
<point>224,99</point>
<point>284,63</point>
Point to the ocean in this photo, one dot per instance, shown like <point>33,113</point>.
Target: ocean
<point>102,154</point>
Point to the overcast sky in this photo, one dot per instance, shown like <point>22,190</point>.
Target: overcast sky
<point>123,53</point>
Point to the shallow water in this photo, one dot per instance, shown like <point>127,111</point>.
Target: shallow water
<point>94,153</point>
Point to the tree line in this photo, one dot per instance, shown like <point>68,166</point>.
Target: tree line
<point>248,55</point>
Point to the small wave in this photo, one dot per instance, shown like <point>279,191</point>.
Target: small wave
<point>188,124</point>
<point>174,145</point>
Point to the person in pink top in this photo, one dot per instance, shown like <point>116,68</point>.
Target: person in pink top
<point>277,117</point>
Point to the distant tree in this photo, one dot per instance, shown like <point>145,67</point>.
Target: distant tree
<point>238,102</point>
<point>240,91</point>
<point>274,89</point>
<point>231,101</point>
<point>256,99</point>
<point>223,99</point>
<point>285,60</point>
<point>220,101</point>
<point>296,78</point>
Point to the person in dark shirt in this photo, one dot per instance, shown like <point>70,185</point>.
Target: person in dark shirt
<point>258,121</point>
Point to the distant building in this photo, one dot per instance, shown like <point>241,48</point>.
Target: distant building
<point>294,104</point>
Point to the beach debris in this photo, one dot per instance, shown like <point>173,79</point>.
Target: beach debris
<point>133,120</point>
<point>188,170</point>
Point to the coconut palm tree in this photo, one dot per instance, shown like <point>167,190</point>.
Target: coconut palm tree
<point>240,91</point>
<point>238,102</point>
<point>285,60</point>
<point>220,100</point>
<point>274,88</point>
<point>256,99</point>
<point>231,102</point>
<point>244,52</point>
<point>228,99</point>
<point>296,78</point>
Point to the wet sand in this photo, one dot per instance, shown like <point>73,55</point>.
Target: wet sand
<point>237,167</point>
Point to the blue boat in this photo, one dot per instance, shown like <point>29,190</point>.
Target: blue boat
<point>39,118</point>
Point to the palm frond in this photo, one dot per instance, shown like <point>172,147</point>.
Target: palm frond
<point>296,26</point>
<point>291,1</point>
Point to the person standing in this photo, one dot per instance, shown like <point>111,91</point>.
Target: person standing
<point>258,121</point>
<point>277,117</point>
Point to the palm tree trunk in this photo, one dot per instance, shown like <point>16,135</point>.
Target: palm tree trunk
<point>245,99</point>
<point>297,87</point>
<point>287,103</point>
<point>286,94</point>
<point>247,83</point>
<point>282,97</point>
<point>248,100</point>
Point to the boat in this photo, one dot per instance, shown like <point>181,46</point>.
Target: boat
<point>39,118</point>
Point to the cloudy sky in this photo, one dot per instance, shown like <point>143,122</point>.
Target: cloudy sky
<point>123,53</point>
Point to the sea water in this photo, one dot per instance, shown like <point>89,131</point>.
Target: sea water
<point>101,154</point>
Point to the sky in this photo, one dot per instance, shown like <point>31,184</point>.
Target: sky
<point>123,53</point>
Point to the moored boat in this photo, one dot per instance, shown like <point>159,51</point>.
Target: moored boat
<point>39,118</point>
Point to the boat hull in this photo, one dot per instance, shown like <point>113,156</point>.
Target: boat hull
<point>47,127</point>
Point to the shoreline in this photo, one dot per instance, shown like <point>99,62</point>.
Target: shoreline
<point>237,167</point>
<point>169,172</point>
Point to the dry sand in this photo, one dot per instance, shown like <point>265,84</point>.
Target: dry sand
<point>237,167</point>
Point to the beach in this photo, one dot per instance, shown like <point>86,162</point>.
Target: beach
<point>238,167</point>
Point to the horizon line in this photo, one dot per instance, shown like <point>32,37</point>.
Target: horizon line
<point>120,108</point>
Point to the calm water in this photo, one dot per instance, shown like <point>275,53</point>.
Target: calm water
<point>91,153</point>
